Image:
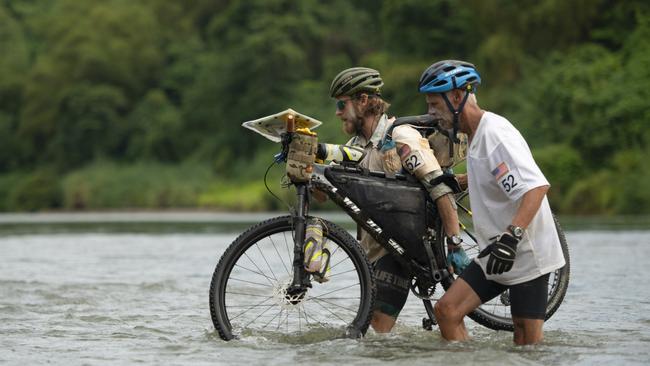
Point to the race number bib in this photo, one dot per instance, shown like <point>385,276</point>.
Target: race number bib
<point>507,179</point>
<point>411,159</point>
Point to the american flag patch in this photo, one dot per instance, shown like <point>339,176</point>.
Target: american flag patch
<point>404,151</point>
<point>500,170</point>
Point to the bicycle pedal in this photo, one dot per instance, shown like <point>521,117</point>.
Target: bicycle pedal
<point>428,323</point>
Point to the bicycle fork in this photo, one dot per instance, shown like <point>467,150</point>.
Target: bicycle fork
<point>300,277</point>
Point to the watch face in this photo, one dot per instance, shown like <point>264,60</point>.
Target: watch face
<point>517,231</point>
<point>456,239</point>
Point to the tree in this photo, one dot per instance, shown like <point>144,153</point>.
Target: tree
<point>110,44</point>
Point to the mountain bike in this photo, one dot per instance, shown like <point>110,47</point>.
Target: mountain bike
<point>260,285</point>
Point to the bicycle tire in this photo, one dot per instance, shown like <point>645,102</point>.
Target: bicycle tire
<point>232,261</point>
<point>558,285</point>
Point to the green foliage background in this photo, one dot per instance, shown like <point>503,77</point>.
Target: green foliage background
<point>118,104</point>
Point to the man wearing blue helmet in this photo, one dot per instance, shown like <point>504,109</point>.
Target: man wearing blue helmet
<point>512,218</point>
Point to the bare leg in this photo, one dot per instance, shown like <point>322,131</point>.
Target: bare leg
<point>528,331</point>
<point>450,310</point>
<point>382,323</point>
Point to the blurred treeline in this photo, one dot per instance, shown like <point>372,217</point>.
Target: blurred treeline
<point>120,104</point>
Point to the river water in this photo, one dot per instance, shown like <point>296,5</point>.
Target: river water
<point>101,294</point>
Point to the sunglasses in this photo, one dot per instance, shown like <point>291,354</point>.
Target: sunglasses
<point>340,104</point>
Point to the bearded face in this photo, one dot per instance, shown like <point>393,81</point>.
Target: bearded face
<point>350,116</point>
<point>436,106</point>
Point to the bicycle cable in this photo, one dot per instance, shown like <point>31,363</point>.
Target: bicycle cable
<point>269,189</point>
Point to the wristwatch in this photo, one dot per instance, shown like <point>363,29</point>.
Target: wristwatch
<point>516,231</point>
<point>454,240</point>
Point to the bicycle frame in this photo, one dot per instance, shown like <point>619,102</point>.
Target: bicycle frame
<point>426,276</point>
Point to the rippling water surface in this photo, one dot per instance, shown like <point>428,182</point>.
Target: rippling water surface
<point>123,298</point>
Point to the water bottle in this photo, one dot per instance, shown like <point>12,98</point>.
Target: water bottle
<point>317,254</point>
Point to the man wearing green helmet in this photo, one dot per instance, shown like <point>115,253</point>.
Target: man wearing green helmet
<point>362,110</point>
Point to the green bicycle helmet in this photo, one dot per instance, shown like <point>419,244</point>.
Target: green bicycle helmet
<point>356,80</point>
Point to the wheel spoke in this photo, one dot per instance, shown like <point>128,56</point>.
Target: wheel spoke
<point>286,244</point>
<point>299,321</point>
<point>272,319</point>
<point>259,273</point>
<point>302,306</point>
<point>337,305</point>
<point>339,262</point>
<point>287,317</point>
<point>267,262</point>
<point>329,311</point>
<point>335,250</point>
<point>327,293</point>
<point>244,294</point>
<point>251,307</point>
<point>264,312</point>
<point>251,282</point>
<point>340,273</point>
<point>279,256</point>
<point>279,319</point>
<point>258,268</point>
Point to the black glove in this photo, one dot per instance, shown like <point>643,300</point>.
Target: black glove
<point>502,254</point>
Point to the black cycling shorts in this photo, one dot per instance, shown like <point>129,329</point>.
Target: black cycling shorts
<point>393,285</point>
<point>527,300</point>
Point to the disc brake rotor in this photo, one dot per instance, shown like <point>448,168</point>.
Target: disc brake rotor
<point>288,298</point>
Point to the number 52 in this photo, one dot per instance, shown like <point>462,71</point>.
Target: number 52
<point>508,182</point>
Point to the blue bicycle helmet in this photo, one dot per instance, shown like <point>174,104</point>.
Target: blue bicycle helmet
<point>446,75</point>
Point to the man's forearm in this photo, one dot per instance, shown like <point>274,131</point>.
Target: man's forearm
<point>447,210</point>
<point>530,204</point>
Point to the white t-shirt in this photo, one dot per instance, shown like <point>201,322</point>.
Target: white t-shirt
<point>501,169</point>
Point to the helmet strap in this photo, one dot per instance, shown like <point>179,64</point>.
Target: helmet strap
<point>456,113</point>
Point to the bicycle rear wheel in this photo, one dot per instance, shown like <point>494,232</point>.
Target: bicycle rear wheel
<point>248,293</point>
<point>495,314</point>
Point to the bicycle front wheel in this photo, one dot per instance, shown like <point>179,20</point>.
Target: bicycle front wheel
<point>248,293</point>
